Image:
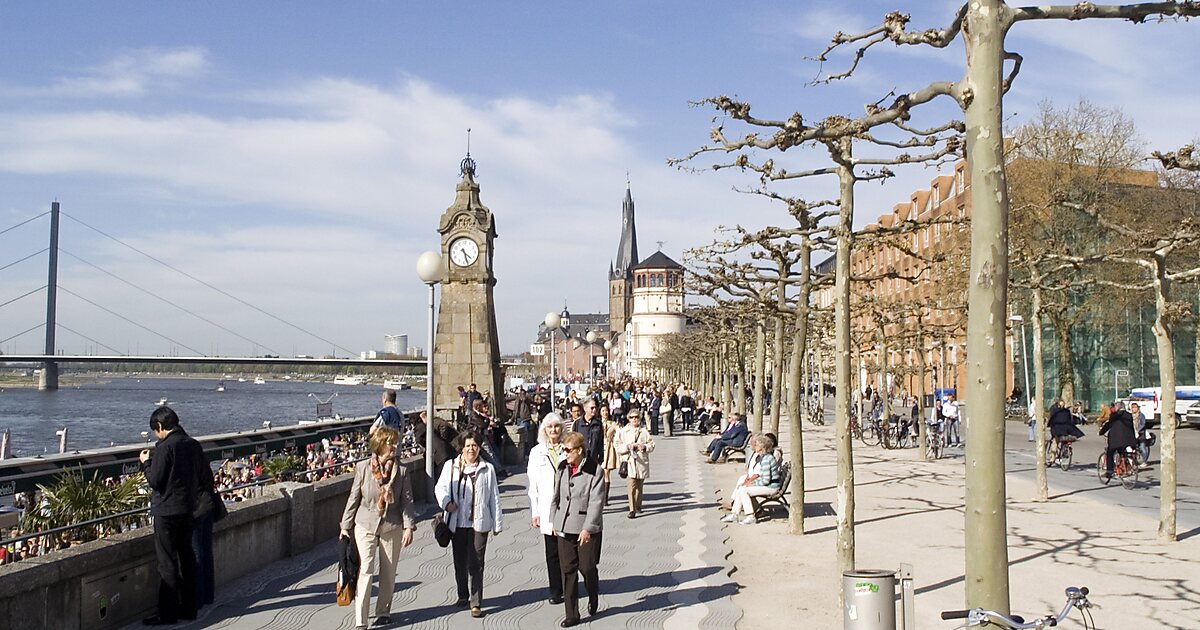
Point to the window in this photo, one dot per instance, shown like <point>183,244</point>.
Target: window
<point>960,179</point>
<point>937,231</point>
<point>641,280</point>
<point>926,231</point>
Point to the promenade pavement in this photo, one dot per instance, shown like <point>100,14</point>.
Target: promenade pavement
<point>910,511</point>
<point>665,569</point>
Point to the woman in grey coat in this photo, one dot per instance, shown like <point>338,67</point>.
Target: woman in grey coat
<point>380,514</point>
<point>578,509</point>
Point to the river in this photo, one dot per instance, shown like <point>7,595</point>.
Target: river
<point>117,410</point>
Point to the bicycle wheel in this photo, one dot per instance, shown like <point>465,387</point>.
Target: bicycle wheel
<point>1127,470</point>
<point>935,446</point>
<point>1051,454</point>
<point>1100,465</point>
<point>870,434</point>
<point>1065,455</point>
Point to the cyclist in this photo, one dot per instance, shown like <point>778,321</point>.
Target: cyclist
<point>1142,435</point>
<point>1062,423</point>
<point>1119,429</point>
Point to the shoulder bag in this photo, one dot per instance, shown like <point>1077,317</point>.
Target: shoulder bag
<point>441,530</point>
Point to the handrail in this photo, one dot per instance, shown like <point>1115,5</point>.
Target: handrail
<point>96,521</point>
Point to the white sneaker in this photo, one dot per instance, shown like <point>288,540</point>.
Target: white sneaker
<point>749,520</point>
<point>729,518</point>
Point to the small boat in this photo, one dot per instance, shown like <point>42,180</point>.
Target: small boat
<point>258,380</point>
<point>241,380</point>
<point>396,384</point>
<point>350,380</point>
<point>162,402</point>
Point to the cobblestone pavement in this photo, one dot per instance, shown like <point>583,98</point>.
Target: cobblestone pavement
<point>665,569</point>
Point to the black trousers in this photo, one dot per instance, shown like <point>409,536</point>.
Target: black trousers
<point>553,568</point>
<point>469,547</point>
<point>575,559</point>
<point>176,566</point>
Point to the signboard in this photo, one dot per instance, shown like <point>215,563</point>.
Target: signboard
<point>538,350</point>
<point>1122,372</point>
<point>324,410</point>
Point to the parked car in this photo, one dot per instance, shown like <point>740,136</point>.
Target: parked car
<point>1192,417</point>
<point>1148,399</point>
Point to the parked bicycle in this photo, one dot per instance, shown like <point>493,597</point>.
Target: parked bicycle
<point>1076,598</point>
<point>935,439</point>
<point>1125,468</point>
<point>872,431</point>
<point>1059,451</point>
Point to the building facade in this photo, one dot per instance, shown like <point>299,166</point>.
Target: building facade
<point>657,310</point>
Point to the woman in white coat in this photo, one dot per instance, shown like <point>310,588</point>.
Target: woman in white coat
<point>543,464</point>
<point>469,491</point>
<point>634,446</point>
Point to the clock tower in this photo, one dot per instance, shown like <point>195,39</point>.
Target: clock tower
<point>466,349</point>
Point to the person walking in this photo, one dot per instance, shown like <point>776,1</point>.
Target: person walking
<point>634,445</point>
<point>380,518</point>
<point>592,430</point>
<point>469,490</point>
<point>175,470</point>
<point>389,415</point>
<point>611,459</point>
<point>543,465</point>
<point>578,508</point>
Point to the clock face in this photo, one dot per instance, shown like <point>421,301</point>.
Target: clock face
<point>464,251</point>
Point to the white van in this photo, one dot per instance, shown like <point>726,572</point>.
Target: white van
<point>1148,398</point>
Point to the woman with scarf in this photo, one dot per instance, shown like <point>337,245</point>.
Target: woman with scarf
<point>543,464</point>
<point>380,514</point>
<point>469,491</point>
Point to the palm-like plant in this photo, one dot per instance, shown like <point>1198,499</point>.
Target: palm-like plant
<point>72,498</point>
<point>282,467</point>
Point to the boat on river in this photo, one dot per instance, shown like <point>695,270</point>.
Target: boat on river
<point>350,380</point>
<point>258,380</point>
<point>162,402</point>
<point>396,384</point>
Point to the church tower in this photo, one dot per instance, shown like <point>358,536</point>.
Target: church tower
<point>620,273</point>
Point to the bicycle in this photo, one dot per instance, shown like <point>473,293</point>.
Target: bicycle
<point>872,432</point>
<point>935,441</point>
<point>1076,598</point>
<point>1125,469</point>
<point>1059,452</point>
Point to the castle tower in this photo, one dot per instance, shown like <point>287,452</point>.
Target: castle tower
<point>620,273</point>
<point>658,296</point>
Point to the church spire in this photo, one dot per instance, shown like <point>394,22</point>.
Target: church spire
<point>627,253</point>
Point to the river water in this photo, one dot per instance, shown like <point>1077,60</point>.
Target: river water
<point>117,410</point>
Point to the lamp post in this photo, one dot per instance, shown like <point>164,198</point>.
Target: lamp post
<point>1024,355</point>
<point>553,321</point>
<point>607,356</point>
<point>591,339</point>
<point>429,269</point>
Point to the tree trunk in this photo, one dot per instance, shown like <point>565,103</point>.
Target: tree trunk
<point>1066,360</point>
<point>1039,385</point>
<point>798,392</point>
<point>987,296</point>
<point>760,369</point>
<point>726,385</point>
<point>921,436</point>
<point>1166,410</point>
<point>845,452</point>
<point>777,350</point>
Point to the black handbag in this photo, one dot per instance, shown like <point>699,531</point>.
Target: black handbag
<point>441,531</point>
<point>623,469</point>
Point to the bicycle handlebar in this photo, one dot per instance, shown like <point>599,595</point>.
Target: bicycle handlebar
<point>1076,598</point>
<point>955,614</point>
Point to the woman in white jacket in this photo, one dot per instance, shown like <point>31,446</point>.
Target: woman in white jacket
<point>634,446</point>
<point>469,491</point>
<point>543,463</point>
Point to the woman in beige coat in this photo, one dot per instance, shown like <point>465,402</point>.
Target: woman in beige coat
<point>380,514</point>
<point>634,445</point>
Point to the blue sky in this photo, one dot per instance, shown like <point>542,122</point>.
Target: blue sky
<point>298,155</point>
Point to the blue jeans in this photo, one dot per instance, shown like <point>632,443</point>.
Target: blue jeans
<point>952,430</point>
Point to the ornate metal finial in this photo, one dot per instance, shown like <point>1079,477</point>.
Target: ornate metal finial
<point>626,179</point>
<point>660,244</point>
<point>467,166</point>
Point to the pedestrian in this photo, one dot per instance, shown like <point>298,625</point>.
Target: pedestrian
<point>1120,435</point>
<point>389,415</point>
<point>950,413</point>
<point>592,430</point>
<point>1032,420</point>
<point>611,460</point>
<point>174,471</point>
<point>543,464</point>
<point>469,490</point>
<point>578,508</point>
<point>634,445</point>
<point>444,436</point>
<point>380,514</point>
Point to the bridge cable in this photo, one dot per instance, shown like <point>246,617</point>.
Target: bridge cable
<point>221,291</point>
<point>70,330</point>
<point>23,332</point>
<point>165,301</point>
<point>9,229</point>
<point>41,251</point>
<point>143,327</point>
<point>22,296</point>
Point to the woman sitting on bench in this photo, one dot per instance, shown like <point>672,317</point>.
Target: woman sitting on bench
<point>762,480</point>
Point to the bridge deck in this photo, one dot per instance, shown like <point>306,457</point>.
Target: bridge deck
<point>665,569</point>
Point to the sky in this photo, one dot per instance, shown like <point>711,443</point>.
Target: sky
<point>297,156</point>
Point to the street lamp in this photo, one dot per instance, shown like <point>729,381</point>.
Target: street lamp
<point>607,356</point>
<point>430,270</point>
<point>591,339</point>
<point>553,321</point>
<point>1024,355</point>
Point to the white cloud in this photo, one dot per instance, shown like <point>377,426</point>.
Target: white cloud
<point>130,73</point>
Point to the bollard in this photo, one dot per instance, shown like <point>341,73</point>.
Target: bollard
<point>869,597</point>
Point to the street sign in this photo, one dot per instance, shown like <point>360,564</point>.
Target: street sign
<point>324,410</point>
<point>538,350</point>
<point>1122,372</point>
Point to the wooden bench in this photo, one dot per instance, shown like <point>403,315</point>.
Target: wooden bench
<point>778,497</point>
<point>742,450</point>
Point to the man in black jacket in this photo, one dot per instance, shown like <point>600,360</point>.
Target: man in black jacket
<point>174,473</point>
<point>593,431</point>
<point>1120,435</point>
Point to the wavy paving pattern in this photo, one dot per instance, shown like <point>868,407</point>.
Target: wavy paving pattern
<point>666,569</point>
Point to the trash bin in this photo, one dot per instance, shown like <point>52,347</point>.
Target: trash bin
<point>869,599</point>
